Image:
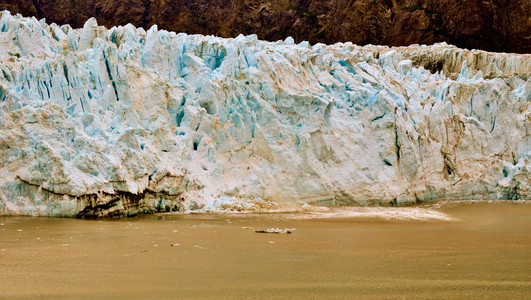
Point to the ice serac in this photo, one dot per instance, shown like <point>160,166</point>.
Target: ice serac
<point>97,122</point>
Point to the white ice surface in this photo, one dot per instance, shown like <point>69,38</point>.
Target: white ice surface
<point>244,124</point>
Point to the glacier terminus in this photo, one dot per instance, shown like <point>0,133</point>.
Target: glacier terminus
<point>98,122</point>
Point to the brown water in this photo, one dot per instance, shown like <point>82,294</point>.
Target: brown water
<point>484,253</point>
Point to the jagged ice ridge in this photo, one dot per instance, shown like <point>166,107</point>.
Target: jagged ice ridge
<point>97,122</point>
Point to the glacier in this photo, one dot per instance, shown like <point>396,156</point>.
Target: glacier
<point>98,122</point>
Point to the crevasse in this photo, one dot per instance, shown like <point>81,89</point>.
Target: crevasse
<point>97,122</point>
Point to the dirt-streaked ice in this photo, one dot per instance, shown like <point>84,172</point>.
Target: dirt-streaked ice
<point>101,122</point>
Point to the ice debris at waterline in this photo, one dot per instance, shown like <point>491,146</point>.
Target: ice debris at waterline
<point>102,122</point>
<point>383,213</point>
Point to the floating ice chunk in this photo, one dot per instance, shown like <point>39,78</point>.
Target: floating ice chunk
<point>276,230</point>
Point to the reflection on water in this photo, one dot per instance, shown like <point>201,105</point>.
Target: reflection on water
<point>456,250</point>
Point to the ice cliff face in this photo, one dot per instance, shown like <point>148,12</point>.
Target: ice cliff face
<point>97,122</point>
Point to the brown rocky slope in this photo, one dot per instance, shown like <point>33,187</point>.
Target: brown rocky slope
<point>492,25</point>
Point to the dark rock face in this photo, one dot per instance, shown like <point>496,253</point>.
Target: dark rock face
<point>493,25</point>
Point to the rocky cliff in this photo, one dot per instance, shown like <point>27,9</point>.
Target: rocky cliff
<point>493,25</point>
<point>97,122</point>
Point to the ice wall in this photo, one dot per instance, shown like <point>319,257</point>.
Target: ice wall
<point>97,122</point>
